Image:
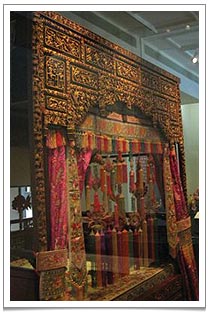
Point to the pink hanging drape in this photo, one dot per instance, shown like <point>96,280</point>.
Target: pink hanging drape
<point>83,161</point>
<point>179,225</point>
<point>58,190</point>
<point>186,257</point>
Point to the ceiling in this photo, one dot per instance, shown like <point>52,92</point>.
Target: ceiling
<point>168,39</point>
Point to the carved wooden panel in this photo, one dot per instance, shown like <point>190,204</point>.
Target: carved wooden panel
<point>84,77</point>
<point>56,104</point>
<point>55,72</point>
<point>62,42</point>
<point>128,71</point>
<point>99,58</point>
<point>168,88</point>
<point>150,80</point>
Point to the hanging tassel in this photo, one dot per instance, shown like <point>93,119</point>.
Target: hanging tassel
<point>141,249</point>
<point>148,147</point>
<point>125,252</point>
<point>109,253</point>
<point>140,179</point>
<point>117,145</point>
<point>113,145</point>
<point>131,177</point>
<point>92,252</point>
<point>103,261</point>
<point>134,150</point>
<point>113,180</point>
<point>142,210</point>
<point>98,142</point>
<point>121,203</point>
<point>116,216</point>
<point>102,144</point>
<point>148,172</point>
<point>105,139</point>
<point>124,146</point>
<point>120,262</point>
<point>133,204</point>
<point>96,202</point>
<point>105,197</point>
<point>102,178</point>
<point>98,259</point>
<point>131,250</point>
<point>124,172</point>
<point>108,167</point>
<point>145,243</point>
<point>136,249</point>
<point>119,173</point>
<point>109,191</point>
<point>121,145</point>
<point>88,204</point>
<point>119,169</point>
<point>109,141</point>
<point>138,147</point>
<point>156,239</point>
<point>115,255</point>
<point>151,242</point>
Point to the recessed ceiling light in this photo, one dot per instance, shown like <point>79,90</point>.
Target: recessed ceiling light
<point>188,26</point>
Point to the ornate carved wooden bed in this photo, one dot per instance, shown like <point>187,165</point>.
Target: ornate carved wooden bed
<point>97,107</point>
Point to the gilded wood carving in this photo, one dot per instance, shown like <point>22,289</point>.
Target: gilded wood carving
<point>73,70</point>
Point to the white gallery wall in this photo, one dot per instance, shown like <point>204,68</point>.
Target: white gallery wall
<point>190,117</point>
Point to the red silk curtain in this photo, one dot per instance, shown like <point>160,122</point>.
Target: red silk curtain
<point>179,225</point>
<point>57,189</point>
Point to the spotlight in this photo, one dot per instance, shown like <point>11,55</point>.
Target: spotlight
<point>195,57</point>
<point>194,60</point>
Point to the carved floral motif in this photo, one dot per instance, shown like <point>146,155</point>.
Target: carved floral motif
<point>127,71</point>
<point>56,104</point>
<point>62,42</point>
<point>55,73</point>
<point>84,77</point>
<point>99,59</point>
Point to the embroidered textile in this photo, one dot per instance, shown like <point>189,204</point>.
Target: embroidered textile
<point>77,256</point>
<point>172,233</point>
<point>58,197</point>
<point>186,255</point>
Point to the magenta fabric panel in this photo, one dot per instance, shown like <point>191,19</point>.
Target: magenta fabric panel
<point>186,257</point>
<point>180,203</point>
<point>58,197</point>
